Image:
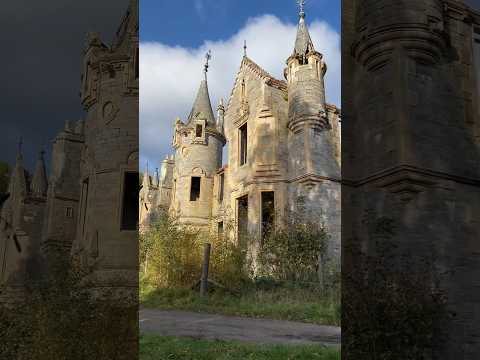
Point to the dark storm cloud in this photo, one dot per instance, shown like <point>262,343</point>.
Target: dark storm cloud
<point>42,44</point>
<point>474,3</point>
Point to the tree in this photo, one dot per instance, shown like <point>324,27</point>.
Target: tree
<point>4,177</point>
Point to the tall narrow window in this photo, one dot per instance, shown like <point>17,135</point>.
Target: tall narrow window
<point>222,187</point>
<point>243,133</point>
<point>137,65</point>
<point>195,188</point>
<point>268,212</point>
<point>86,79</point>
<point>198,130</point>
<point>242,210</point>
<point>220,229</point>
<point>130,201</point>
<point>476,62</point>
<point>84,200</point>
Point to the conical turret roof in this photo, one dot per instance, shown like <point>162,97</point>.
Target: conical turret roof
<point>303,42</point>
<point>39,181</point>
<point>18,180</point>
<point>202,105</point>
<point>146,179</point>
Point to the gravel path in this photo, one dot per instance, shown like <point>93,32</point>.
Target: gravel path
<point>222,327</point>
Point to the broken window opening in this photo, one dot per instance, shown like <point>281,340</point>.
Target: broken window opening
<point>130,201</point>
<point>268,213</point>
<point>195,188</point>
<point>242,210</point>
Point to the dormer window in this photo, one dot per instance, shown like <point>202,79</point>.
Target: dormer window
<point>198,130</point>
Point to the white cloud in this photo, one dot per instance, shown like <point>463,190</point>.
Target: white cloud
<point>170,76</point>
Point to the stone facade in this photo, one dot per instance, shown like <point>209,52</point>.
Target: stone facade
<point>88,208</point>
<point>410,145</point>
<point>283,152</point>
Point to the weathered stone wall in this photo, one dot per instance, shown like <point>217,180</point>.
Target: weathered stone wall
<point>409,147</point>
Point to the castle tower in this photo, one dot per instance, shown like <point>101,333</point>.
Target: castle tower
<point>198,155</point>
<point>410,157</point>
<point>313,167</point>
<point>107,236</point>
<point>63,195</point>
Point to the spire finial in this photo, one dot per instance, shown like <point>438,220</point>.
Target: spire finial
<point>208,56</point>
<point>301,3</point>
<point>245,48</point>
<point>20,144</point>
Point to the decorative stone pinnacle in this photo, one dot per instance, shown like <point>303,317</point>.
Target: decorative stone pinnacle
<point>245,48</point>
<point>208,56</point>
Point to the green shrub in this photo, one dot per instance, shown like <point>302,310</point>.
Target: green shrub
<point>59,320</point>
<point>393,305</point>
<point>293,252</point>
<point>170,255</point>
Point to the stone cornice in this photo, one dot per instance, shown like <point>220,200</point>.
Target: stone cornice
<point>427,175</point>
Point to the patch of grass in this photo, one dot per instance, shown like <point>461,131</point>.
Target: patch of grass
<point>168,348</point>
<point>282,303</point>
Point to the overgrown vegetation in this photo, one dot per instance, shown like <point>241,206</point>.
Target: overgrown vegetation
<point>393,305</point>
<point>171,256</point>
<point>261,299</point>
<point>163,348</point>
<point>4,177</point>
<point>283,284</point>
<point>58,320</point>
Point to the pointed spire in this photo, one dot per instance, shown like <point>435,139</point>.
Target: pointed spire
<point>202,104</point>
<point>220,115</point>
<point>40,182</point>
<point>303,42</point>
<point>156,179</point>
<point>146,179</point>
<point>19,153</point>
<point>245,48</point>
<point>18,180</point>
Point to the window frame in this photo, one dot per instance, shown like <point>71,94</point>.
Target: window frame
<point>198,196</point>
<point>243,144</point>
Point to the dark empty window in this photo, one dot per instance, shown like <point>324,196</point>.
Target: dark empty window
<point>84,201</point>
<point>220,229</point>
<point>476,62</point>
<point>130,201</point>
<point>195,188</point>
<point>242,204</point>
<point>198,130</point>
<point>222,187</point>
<point>137,65</point>
<point>243,131</point>
<point>268,212</point>
<point>69,212</point>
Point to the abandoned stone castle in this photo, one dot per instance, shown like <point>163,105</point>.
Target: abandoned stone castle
<point>283,153</point>
<point>88,205</point>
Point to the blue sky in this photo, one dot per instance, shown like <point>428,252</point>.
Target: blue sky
<point>190,22</point>
<point>175,35</point>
